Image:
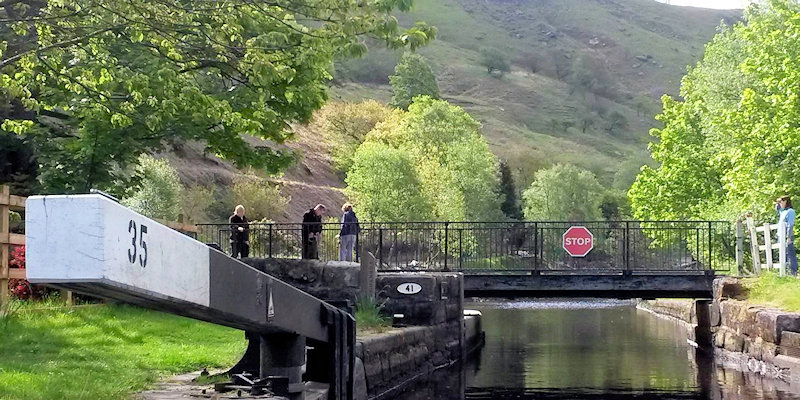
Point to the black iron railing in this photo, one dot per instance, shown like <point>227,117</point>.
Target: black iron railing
<point>507,246</point>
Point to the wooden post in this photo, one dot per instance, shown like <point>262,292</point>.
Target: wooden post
<point>768,245</point>
<point>755,255</point>
<point>5,225</point>
<point>739,248</point>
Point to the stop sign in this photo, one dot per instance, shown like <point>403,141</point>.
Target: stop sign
<point>578,241</point>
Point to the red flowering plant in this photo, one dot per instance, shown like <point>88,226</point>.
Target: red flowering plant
<point>20,288</point>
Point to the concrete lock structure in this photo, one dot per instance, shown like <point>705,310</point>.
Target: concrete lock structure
<point>92,244</point>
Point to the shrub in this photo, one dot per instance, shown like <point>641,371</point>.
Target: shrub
<point>261,198</point>
<point>160,191</point>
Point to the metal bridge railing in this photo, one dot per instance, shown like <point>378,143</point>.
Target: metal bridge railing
<point>636,246</point>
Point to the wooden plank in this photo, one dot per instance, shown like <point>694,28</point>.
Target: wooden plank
<point>16,203</point>
<point>4,249</point>
<point>14,239</point>
<point>16,273</point>
<point>768,242</point>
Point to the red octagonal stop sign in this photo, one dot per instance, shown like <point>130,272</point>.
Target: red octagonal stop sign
<point>578,241</point>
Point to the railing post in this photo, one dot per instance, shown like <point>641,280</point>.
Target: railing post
<point>782,248</point>
<point>270,240</point>
<point>709,250</point>
<point>380,247</point>
<point>446,225</point>
<point>739,247</point>
<point>460,251</point>
<point>536,246</point>
<point>627,241</point>
<point>768,245</point>
<point>5,193</point>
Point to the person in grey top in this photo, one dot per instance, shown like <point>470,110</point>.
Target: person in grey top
<point>348,232</point>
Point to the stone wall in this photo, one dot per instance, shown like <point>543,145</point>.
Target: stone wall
<point>748,337</point>
<point>330,281</point>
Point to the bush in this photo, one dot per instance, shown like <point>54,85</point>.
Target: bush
<point>196,202</point>
<point>494,60</point>
<point>261,198</point>
<point>413,77</point>
<point>160,191</point>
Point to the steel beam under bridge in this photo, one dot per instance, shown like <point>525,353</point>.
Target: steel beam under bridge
<point>91,244</point>
<point>605,284</point>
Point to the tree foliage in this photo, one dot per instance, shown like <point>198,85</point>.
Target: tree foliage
<point>732,144</point>
<point>508,192</point>
<point>412,77</point>
<point>160,191</point>
<point>494,60</point>
<point>564,193</point>
<point>447,155</point>
<point>96,83</point>
<point>261,198</point>
<point>385,186</point>
<point>345,125</point>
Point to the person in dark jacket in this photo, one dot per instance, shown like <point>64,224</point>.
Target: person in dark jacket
<point>348,232</point>
<point>240,233</point>
<point>312,231</point>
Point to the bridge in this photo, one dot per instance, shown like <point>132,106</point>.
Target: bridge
<point>628,259</point>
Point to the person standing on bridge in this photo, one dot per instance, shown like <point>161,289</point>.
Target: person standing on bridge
<point>240,233</point>
<point>786,214</point>
<point>347,233</point>
<point>312,231</point>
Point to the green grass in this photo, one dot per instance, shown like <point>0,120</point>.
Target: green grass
<point>49,351</point>
<point>369,318</point>
<point>772,290</point>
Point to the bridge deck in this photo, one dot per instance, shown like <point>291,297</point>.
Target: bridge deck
<point>608,284</point>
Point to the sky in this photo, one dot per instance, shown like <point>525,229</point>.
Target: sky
<point>719,4</point>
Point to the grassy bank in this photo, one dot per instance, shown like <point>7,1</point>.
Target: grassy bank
<point>103,352</point>
<point>772,290</point>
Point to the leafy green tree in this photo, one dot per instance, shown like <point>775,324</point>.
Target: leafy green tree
<point>412,77</point>
<point>384,184</point>
<point>494,60</point>
<point>456,171</point>
<point>261,198</point>
<point>731,144</point>
<point>345,125</point>
<point>564,193</point>
<point>18,167</point>
<point>159,192</point>
<point>107,80</point>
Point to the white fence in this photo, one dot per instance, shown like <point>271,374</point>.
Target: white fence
<point>768,246</point>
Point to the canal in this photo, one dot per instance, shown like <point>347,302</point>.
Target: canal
<point>594,349</point>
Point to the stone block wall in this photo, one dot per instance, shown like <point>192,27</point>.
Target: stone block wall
<point>329,281</point>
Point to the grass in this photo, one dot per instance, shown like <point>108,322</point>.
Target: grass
<point>48,351</point>
<point>369,318</point>
<point>773,290</point>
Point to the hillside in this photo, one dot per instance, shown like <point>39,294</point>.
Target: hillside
<point>537,115</point>
<point>627,53</point>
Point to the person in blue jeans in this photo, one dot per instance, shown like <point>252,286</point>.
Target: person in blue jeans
<point>786,214</point>
<point>347,234</point>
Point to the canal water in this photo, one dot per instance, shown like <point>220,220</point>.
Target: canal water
<point>595,349</point>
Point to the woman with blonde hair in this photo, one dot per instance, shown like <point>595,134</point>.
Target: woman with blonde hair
<point>240,233</point>
<point>348,233</point>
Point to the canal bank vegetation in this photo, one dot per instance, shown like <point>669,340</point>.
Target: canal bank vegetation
<point>49,351</point>
<point>772,290</point>
<point>369,318</point>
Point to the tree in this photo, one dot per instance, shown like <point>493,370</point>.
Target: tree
<point>159,192</point>
<point>345,125</point>
<point>616,121</point>
<point>508,193</point>
<point>104,81</point>
<point>730,145</point>
<point>18,167</point>
<point>261,198</point>
<point>412,77</point>
<point>564,193</point>
<point>494,60</point>
<point>385,185</point>
<point>456,171</point>
<point>196,203</point>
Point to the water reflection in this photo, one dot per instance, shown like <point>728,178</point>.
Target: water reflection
<point>604,349</point>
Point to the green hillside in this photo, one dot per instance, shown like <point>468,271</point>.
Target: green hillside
<point>585,80</point>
